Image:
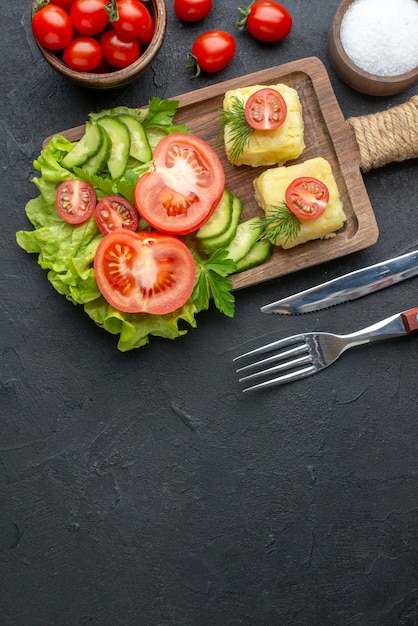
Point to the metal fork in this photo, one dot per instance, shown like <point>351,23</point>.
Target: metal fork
<point>311,352</point>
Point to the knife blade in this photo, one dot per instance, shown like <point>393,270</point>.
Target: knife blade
<point>348,287</point>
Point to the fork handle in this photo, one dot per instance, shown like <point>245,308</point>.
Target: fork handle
<point>410,320</point>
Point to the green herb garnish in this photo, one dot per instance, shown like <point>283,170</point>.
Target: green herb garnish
<point>212,280</point>
<point>280,222</point>
<point>239,129</point>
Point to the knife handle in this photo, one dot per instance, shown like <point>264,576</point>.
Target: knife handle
<point>410,320</point>
<point>387,136</point>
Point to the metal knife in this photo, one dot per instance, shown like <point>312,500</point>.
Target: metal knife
<point>348,287</point>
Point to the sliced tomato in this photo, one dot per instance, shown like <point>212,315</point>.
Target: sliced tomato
<point>183,186</point>
<point>75,201</point>
<point>144,272</point>
<point>115,213</point>
<point>265,109</point>
<point>307,197</point>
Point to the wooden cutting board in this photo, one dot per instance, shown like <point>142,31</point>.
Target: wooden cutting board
<point>327,134</point>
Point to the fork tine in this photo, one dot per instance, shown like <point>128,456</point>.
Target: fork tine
<point>285,378</point>
<point>275,357</point>
<point>275,345</point>
<point>288,365</point>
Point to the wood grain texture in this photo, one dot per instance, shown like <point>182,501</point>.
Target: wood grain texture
<point>326,134</point>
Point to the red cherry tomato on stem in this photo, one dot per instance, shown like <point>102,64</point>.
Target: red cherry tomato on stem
<point>192,10</point>
<point>134,19</point>
<point>307,197</point>
<point>52,27</point>
<point>266,20</point>
<point>115,213</point>
<point>183,186</point>
<point>117,50</point>
<point>83,54</point>
<point>75,201</point>
<point>265,109</point>
<point>89,17</point>
<point>147,35</point>
<point>144,272</point>
<point>212,51</point>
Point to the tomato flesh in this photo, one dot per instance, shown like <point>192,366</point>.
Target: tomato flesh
<point>192,10</point>
<point>115,213</point>
<point>269,21</point>
<point>144,272</point>
<point>52,27</point>
<point>183,186</point>
<point>75,201</point>
<point>307,197</point>
<point>265,109</point>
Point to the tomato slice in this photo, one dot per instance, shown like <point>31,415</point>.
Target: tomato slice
<point>144,272</point>
<point>115,213</point>
<point>183,186</point>
<point>75,201</point>
<point>307,197</point>
<point>265,109</point>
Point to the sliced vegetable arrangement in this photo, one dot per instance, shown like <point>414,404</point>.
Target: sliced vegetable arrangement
<point>137,271</point>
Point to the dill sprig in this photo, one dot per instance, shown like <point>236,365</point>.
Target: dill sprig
<point>240,131</point>
<point>280,222</point>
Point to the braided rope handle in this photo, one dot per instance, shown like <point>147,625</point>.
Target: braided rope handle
<point>388,136</point>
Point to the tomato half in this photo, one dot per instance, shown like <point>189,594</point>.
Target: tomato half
<point>115,213</point>
<point>52,27</point>
<point>183,186</point>
<point>144,272</point>
<point>119,51</point>
<point>75,201</point>
<point>213,50</point>
<point>268,21</point>
<point>133,18</point>
<point>83,54</point>
<point>89,16</point>
<point>265,109</point>
<point>307,197</point>
<point>192,10</point>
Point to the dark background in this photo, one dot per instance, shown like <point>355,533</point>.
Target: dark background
<point>144,488</point>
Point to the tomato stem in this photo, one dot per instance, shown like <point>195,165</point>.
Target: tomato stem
<point>112,10</point>
<point>193,63</point>
<point>245,12</point>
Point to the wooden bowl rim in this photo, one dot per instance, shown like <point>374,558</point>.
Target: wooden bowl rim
<point>334,34</point>
<point>118,76</point>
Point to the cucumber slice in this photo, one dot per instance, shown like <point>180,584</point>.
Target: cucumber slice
<point>139,148</point>
<point>98,161</point>
<point>219,220</point>
<point>211,244</point>
<point>121,142</point>
<point>259,253</point>
<point>87,147</point>
<point>247,234</point>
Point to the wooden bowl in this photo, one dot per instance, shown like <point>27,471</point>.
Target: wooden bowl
<point>354,76</point>
<point>117,78</point>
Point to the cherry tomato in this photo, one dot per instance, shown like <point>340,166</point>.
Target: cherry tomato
<point>115,213</point>
<point>307,197</point>
<point>52,27</point>
<point>83,54</point>
<point>183,186</point>
<point>134,18</point>
<point>147,35</point>
<point>64,4</point>
<point>75,201</point>
<point>266,21</point>
<point>265,109</point>
<point>213,50</point>
<point>117,50</point>
<point>192,10</point>
<point>89,16</point>
<point>144,272</point>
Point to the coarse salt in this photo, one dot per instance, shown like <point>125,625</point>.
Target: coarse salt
<point>381,36</point>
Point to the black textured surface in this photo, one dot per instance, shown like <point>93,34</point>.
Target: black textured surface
<point>144,488</point>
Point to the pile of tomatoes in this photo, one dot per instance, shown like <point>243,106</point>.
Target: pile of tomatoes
<point>94,35</point>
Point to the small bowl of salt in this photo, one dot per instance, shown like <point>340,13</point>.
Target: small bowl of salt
<point>373,45</point>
